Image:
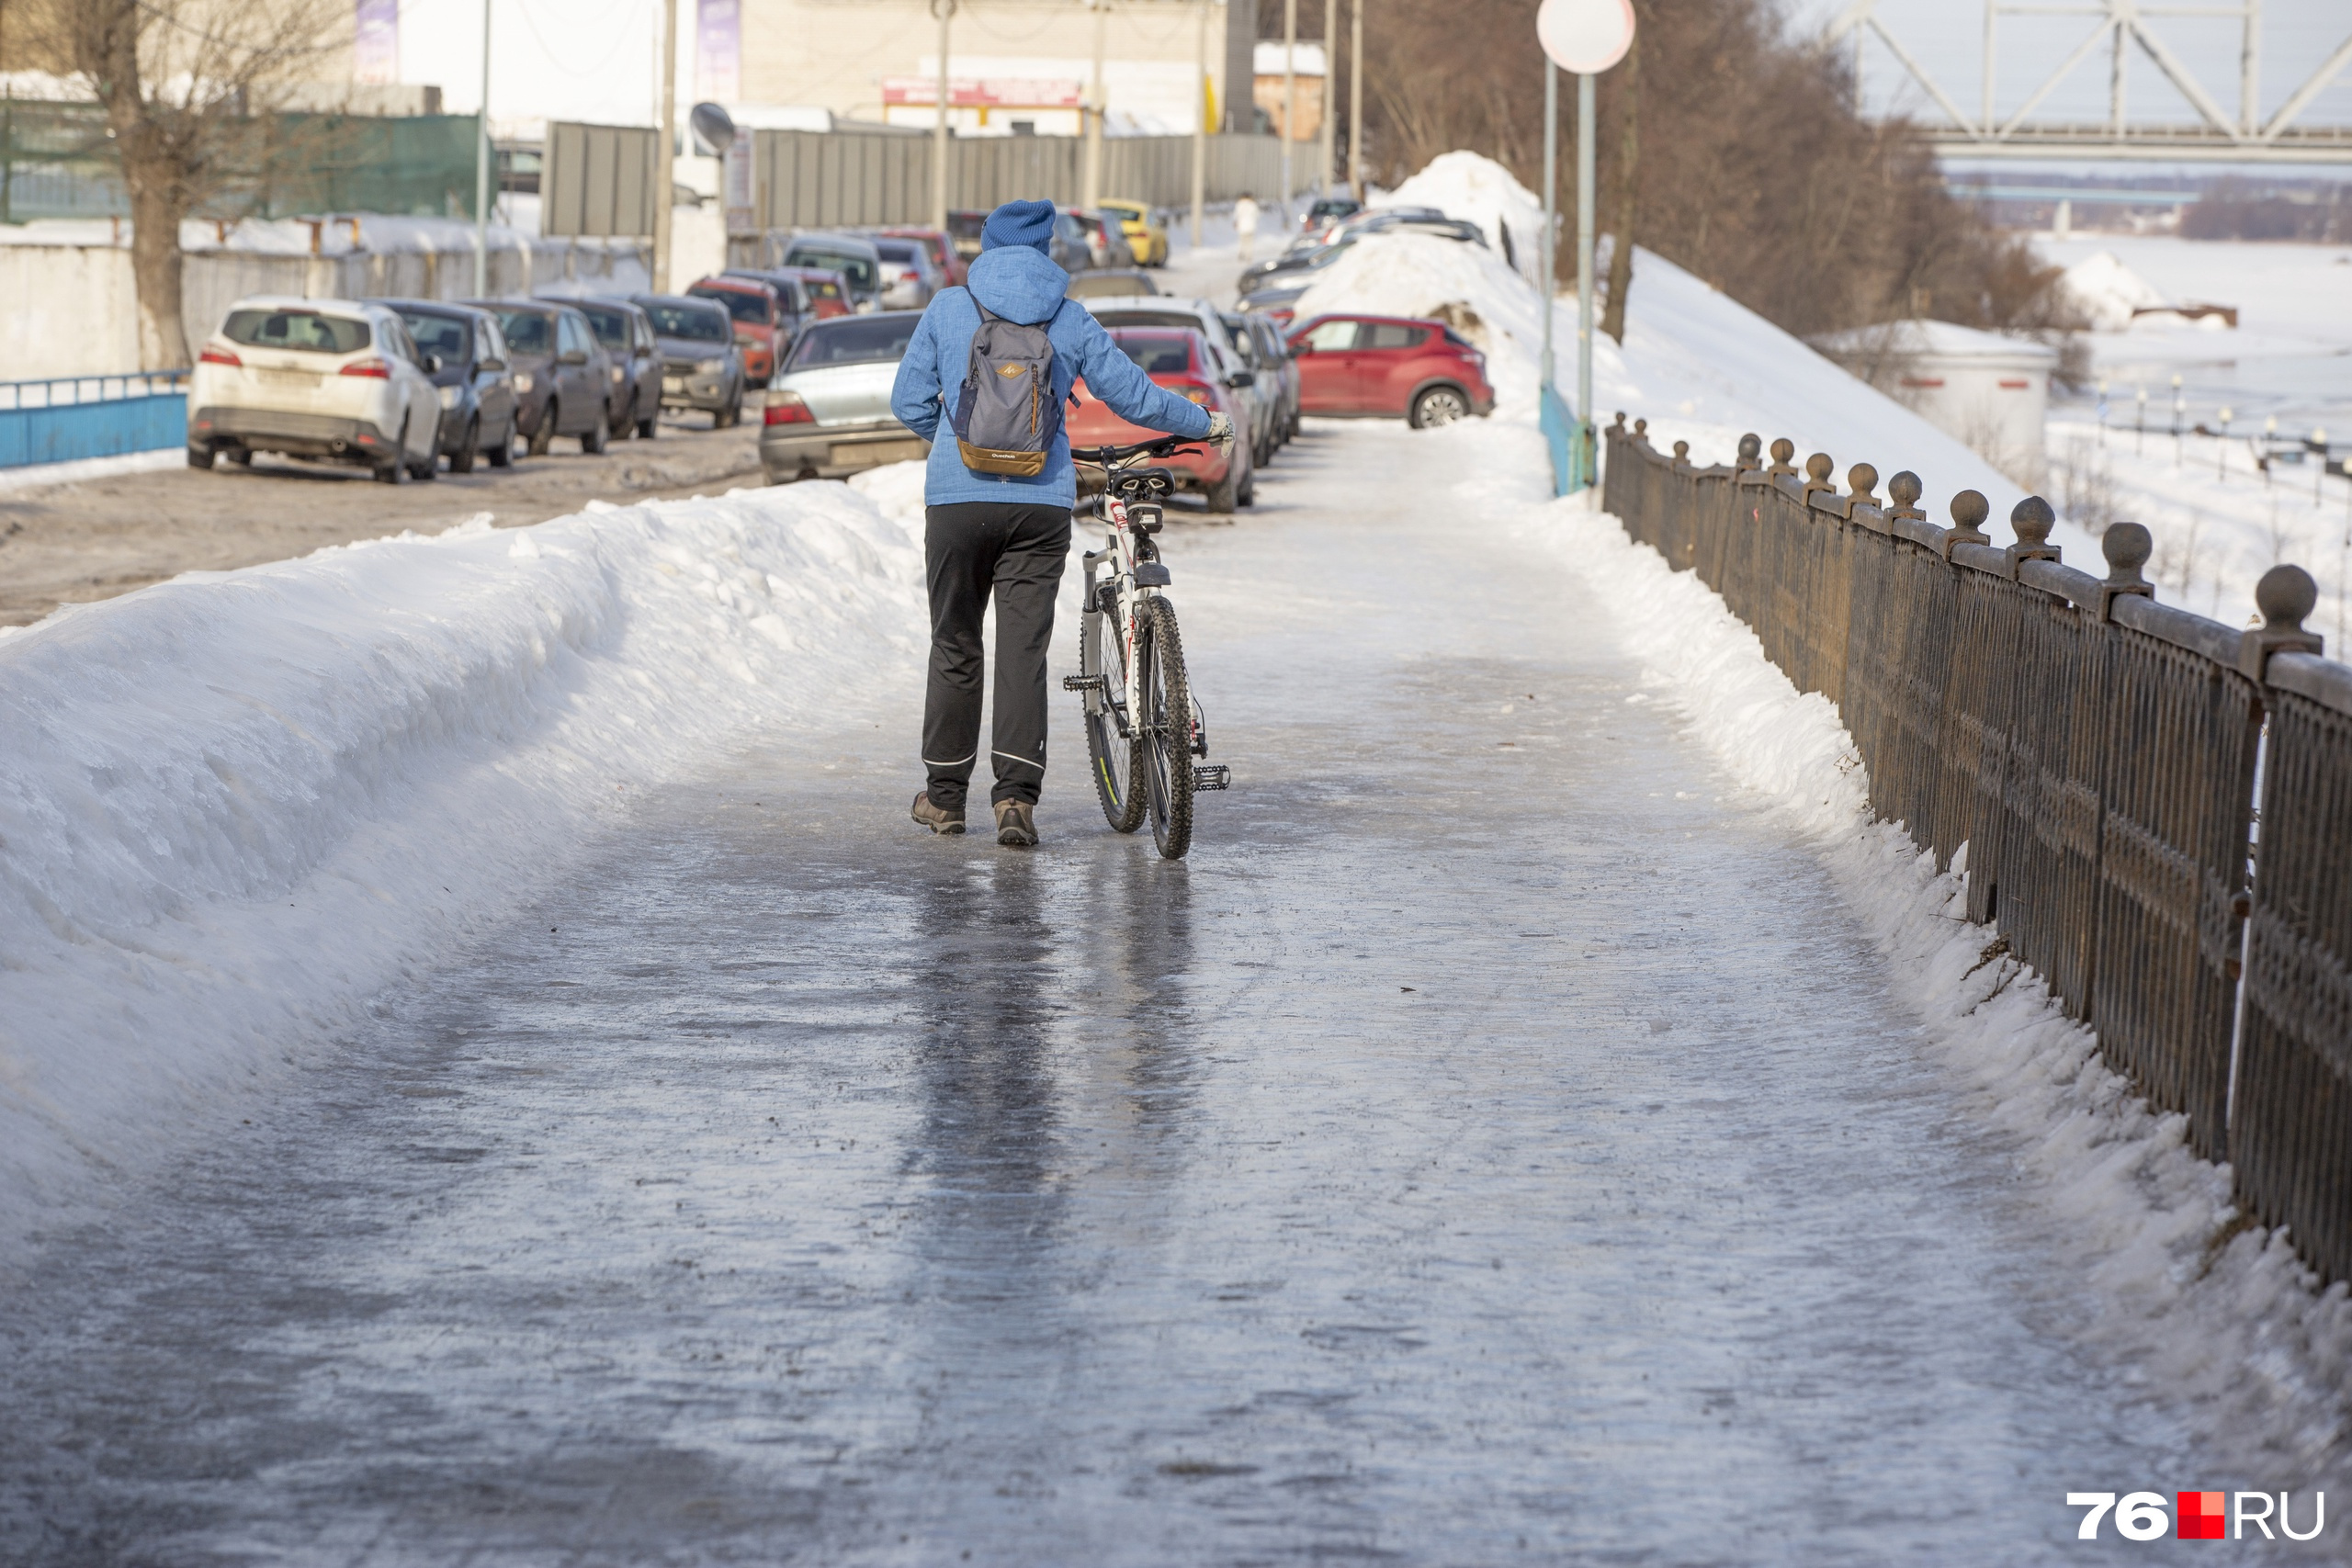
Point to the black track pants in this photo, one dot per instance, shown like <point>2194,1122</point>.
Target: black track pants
<point>971,549</point>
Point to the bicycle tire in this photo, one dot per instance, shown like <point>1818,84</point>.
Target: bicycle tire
<point>1166,728</point>
<point>1116,760</point>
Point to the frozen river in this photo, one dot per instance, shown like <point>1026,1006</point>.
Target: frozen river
<point>1496,1145</point>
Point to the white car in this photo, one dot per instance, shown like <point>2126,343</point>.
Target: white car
<point>335,379</point>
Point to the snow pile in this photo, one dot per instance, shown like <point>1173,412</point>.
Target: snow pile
<point>2218,1315</point>
<point>2107,291</point>
<point>1698,365</point>
<point>235,806</point>
<point>1474,188</point>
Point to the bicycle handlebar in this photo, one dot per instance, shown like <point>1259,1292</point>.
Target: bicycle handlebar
<point>1108,457</point>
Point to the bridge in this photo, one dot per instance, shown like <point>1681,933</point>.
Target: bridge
<point>2119,29</point>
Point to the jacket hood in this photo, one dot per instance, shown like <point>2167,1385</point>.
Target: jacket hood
<point>1018,284</point>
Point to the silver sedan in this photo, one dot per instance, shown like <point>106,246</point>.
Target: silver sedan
<point>828,412</point>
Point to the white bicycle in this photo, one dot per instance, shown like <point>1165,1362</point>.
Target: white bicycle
<point>1143,725</point>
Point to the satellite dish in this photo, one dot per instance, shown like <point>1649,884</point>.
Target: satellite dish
<point>714,129</point>
<point>1585,37</point>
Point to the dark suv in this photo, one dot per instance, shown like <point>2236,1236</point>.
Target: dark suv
<point>626,334</point>
<point>479,412</point>
<point>562,376</point>
<point>701,365</point>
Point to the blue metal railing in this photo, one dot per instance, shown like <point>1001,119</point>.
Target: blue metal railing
<point>71,417</point>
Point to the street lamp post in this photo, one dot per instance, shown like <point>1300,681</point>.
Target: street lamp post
<point>665,154</point>
<point>481,170</point>
<point>946,8</point>
<point>1585,37</point>
<point>1331,126</point>
<point>1093,196</point>
<point>1355,99</point>
<point>1200,123</point>
<point>1289,95</point>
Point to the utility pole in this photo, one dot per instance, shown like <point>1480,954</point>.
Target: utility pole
<point>1201,125</point>
<point>665,157</point>
<point>481,170</point>
<point>1588,132</point>
<point>946,8</point>
<point>1585,37</point>
<point>1551,212</point>
<point>1330,104</point>
<point>1290,99</point>
<point>1355,99</point>
<point>1093,196</point>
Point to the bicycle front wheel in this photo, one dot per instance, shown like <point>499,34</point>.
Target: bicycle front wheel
<point>1166,728</point>
<point>1115,760</point>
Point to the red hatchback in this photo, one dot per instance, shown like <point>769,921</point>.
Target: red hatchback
<point>762,326</point>
<point>828,291</point>
<point>1389,367</point>
<point>1178,359</point>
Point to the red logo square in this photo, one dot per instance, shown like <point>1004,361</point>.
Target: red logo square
<point>2198,1516</point>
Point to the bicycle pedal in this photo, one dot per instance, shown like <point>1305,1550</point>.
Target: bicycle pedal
<point>1081,683</point>
<point>1212,775</point>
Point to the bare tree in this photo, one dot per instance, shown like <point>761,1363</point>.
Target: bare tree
<point>1628,187</point>
<point>180,82</point>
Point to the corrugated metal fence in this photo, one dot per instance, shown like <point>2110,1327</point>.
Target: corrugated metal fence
<point>2097,757</point>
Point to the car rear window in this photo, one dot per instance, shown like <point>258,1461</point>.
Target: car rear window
<point>444,335</point>
<point>695,323</point>
<point>858,269</point>
<point>611,326</point>
<point>308,332</point>
<point>824,289</point>
<point>527,331</point>
<point>741,305</point>
<point>1109,284</point>
<point>857,340</point>
<point>1388,335</point>
<point>901,251</point>
<point>1157,354</point>
<point>1149,319</point>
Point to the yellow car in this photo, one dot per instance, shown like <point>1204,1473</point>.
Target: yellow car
<point>1147,239</point>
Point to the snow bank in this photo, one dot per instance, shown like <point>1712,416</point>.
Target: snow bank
<point>1480,190</point>
<point>2215,1316</point>
<point>235,806</point>
<point>2108,291</point>
<point>1698,365</point>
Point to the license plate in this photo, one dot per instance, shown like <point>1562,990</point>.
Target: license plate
<point>289,377</point>
<point>674,383</point>
<point>874,452</point>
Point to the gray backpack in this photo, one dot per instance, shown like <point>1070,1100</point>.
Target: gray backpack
<point>1006,414</point>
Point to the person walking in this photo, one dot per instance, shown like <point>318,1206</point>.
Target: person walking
<point>998,491</point>
<point>1245,224</point>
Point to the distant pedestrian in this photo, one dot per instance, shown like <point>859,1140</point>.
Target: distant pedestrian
<point>1244,223</point>
<point>998,491</point>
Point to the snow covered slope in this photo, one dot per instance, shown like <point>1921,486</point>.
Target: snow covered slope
<point>234,805</point>
<point>1698,365</point>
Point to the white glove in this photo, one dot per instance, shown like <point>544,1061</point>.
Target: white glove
<point>1220,434</point>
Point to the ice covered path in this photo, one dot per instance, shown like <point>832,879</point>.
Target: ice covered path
<point>1494,1145</point>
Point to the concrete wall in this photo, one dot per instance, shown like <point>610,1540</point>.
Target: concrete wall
<point>73,310</point>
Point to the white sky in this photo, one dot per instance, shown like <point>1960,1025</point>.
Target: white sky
<point>590,60</point>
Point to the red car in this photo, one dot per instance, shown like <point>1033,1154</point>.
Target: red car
<point>762,326</point>
<point>828,291</point>
<point>942,249</point>
<point>1389,367</point>
<point>1179,359</point>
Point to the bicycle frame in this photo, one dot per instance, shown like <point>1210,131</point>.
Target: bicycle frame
<point>1119,551</point>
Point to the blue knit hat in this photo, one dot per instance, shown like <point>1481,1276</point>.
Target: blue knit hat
<point>1029,223</point>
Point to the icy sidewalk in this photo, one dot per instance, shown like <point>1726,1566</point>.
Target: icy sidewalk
<point>1498,1143</point>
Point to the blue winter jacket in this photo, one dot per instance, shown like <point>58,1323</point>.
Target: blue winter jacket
<point>1022,285</point>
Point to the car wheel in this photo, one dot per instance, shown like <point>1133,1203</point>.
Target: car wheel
<point>593,442</point>
<point>200,457</point>
<point>242,456</point>
<point>1225,494</point>
<point>730,416</point>
<point>502,453</point>
<point>392,473</point>
<point>649,424</point>
<point>461,461</point>
<point>545,434</point>
<point>1438,405</point>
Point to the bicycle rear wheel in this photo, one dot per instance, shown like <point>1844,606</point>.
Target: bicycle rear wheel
<point>1166,727</point>
<point>1115,760</point>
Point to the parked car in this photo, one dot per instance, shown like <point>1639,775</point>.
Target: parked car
<point>338,379</point>
<point>1390,368</point>
<point>828,291</point>
<point>762,330</point>
<point>1227,360</point>
<point>1326,210</point>
<point>562,379</point>
<point>791,293</point>
<point>1125,283</point>
<point>1273,365</point>
<point>626,334</point>
<point>1069,249</point>
<point>963,227</point>
<point>701,365</point>
<point>851,255</point>
<point>829,413</point>
<point>909,278</point>
<point>1181,360</point>
<point>1299,266</point>
<point>941,247</point>
<point>478,413</point>
<point>1146,233</point>
<point>1106,242</point>
<point>1279,306</point>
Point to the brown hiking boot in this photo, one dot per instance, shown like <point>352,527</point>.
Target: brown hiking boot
<point>1016,823</point>
<point>926,814</point>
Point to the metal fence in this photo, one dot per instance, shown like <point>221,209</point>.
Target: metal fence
<point>599,180</point>
<point>806,179</point>
<point>2090,760</point>
<point>72,417</point>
